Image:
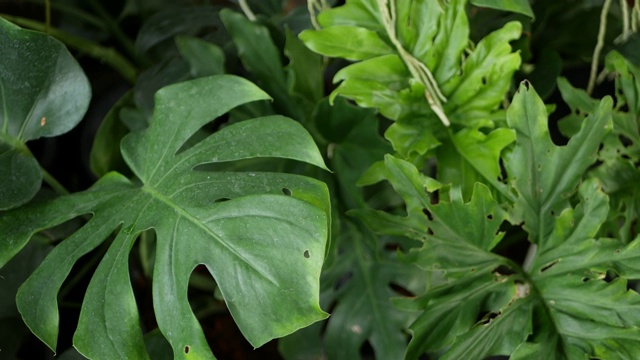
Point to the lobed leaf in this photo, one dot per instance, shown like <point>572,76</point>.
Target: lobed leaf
<point>543,174</point>
<point>266,242</point>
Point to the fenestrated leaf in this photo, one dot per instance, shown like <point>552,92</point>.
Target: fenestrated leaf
<point>267,241</point>
<point>544,174</point>
<point>43,93</point>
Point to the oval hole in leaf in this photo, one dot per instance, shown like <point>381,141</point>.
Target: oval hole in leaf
<point>490,217</point>
<point>286,191</point>
<point>306,254</point>
<point>186,349</point>
<point>549,266</point>
<point>401,290</point>
<point>428,214</point>
<point>221,200</point>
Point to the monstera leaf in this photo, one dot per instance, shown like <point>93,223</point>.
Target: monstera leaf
<point>412,65</point>
<point>261,235</point>
<point>43,93</point>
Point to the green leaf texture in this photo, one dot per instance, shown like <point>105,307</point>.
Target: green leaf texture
<point>571,300</point>
<point>43,93</point>
<point>436,35</point>
<point>261,235</point>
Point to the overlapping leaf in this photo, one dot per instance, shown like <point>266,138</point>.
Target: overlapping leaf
<point>543,174</point>
<point>261,235</point>
<point>621,149</point>
<point>458,238</point>
<point>435,36</point>
<point>43,93</point>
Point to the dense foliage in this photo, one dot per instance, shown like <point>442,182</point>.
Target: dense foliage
<point>367,178</point>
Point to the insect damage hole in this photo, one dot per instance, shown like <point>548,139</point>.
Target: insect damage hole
<point>306,254</point>
<point>187,348</point>
<point>286,191</point>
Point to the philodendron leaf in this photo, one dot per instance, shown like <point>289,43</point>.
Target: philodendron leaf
<point>543,174</point>
<point>458,238</point>
<point>582,315</point>
<point>43,93</point>
<point>261,235</point>
<point>431,36</point>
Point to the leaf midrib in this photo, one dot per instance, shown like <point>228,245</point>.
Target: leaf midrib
<point>194,220</point>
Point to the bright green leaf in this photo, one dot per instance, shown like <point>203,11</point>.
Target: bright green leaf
<point>354,43</point>
<point>518,6</point>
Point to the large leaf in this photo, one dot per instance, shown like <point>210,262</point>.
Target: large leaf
<point>43,93</point>
<point>264,246</point>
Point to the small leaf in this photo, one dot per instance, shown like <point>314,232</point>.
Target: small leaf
<point>356,43</point>
<point>518,6</point>
<point>43,93</point>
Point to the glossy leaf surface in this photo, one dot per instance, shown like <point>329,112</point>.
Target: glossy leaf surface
<point>43,93</point>
<point>261,235</point>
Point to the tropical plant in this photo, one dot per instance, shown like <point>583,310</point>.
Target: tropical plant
<point>454,194</point>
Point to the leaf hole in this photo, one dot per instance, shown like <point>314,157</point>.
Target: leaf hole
<point>187,348</point>
<point>549,265</point>
<point>430,231</point>
<point>286,191</point>
<point>484,80</point>
<point>553,213</point>
<point>401,290</point>
<point>490,217</point>
<point>391,246</point>
<point>428,214</point>
<point>485,320</point>
<point>306,254</point>
<point>526,84</point>
<point>503,270</point>
<point>221,200</point>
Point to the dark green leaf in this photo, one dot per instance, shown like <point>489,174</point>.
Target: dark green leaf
<point>268,241</point>
<point>43,93</point>
<point>205,58</point>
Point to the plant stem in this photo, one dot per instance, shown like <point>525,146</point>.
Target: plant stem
<point>626,28</point>
<point>108,55</point>
<point>55,184</point>
<point>114,28</point>
<point>596,51</point>
<point>247,10</point>
<point>47,15</point>
<point>418,70</point>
